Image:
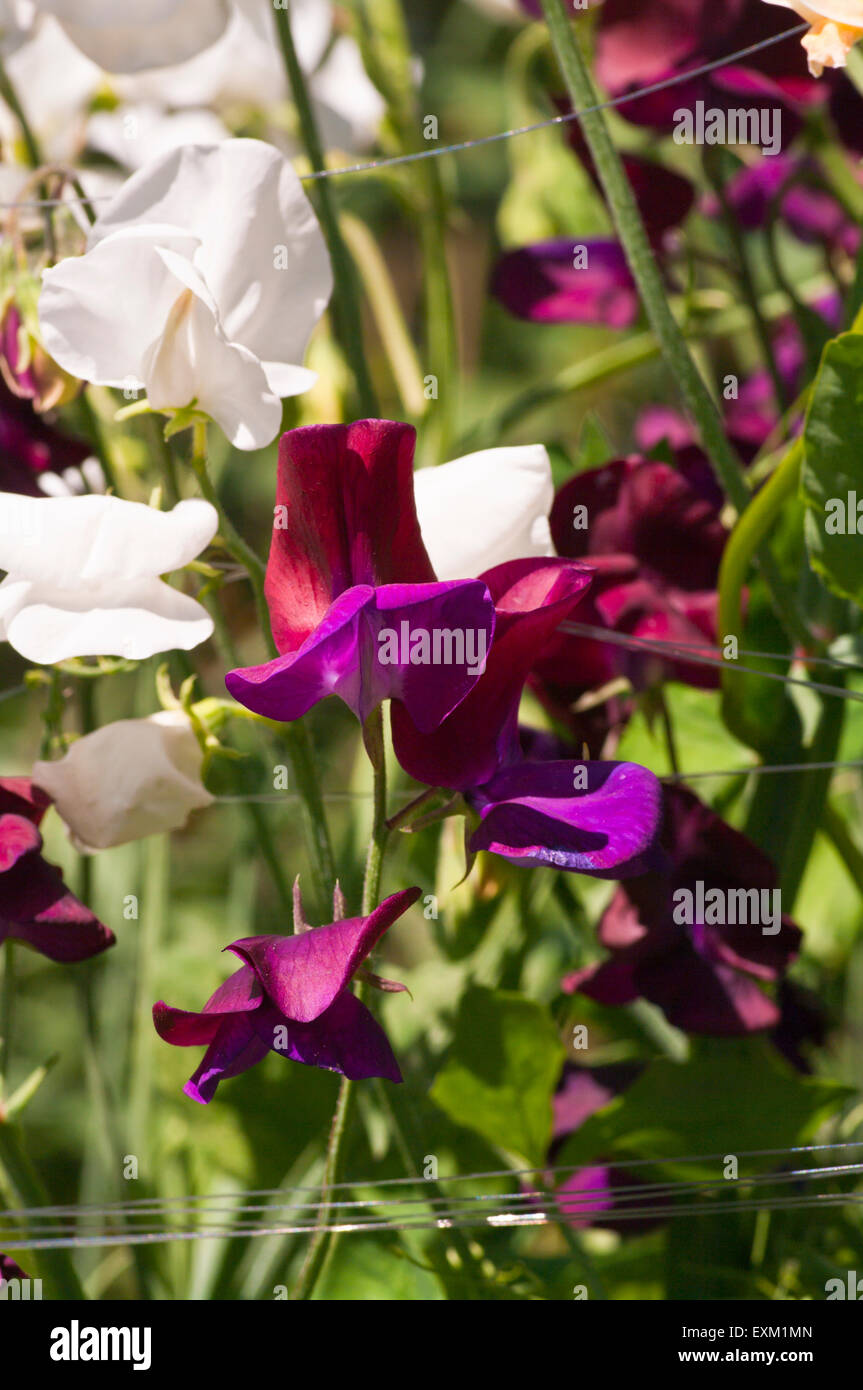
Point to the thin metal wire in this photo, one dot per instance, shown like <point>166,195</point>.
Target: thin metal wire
<point>447,1205</point>
<point>459,147</point>
<point>553,1171</point>
<point>651,645</point>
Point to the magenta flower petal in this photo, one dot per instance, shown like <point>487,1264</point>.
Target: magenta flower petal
<point>303,974</point>
<point>532,597</point>
<point>18,836</point>
<point>36,908</point>
<point>241,993</point>
<point>347,655</point>
<point>345,1038</point>
<point>531,814</point>
<point>545,284</point>
<point>235,1048</point>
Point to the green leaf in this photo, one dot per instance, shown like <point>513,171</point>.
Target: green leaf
<point>501,1072</point>
<point>733,1096</point>
<point>833,466</point>
<point>366,1269</point>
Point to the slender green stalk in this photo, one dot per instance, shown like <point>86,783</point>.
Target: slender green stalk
<point>323,1242</point>
<point>347,311</point>
<point>12,100</point>
<point>296,735</point>
<point>642,263</point>
<point>632,352</point>
<point>7,1008</point>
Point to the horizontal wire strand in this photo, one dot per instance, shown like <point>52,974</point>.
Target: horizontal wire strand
<point>460,146</point>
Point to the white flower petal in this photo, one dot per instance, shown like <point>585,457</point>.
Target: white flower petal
<point>75,542</point>
<point>155,33</point>
<point>351,107</point>
<point>129,779</point>
<point>133,135</point>
<point>262,253</point>
<point>100,313</point>
<point>132,619</point>
<point>484,509</point>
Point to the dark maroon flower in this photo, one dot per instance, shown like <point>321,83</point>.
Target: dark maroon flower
<point>653,536</point>
<point>351,591</point>
<point>291,996</point>
<point>705,976</point>
<point>568,281</point>
<point>36,908</point>
<point>9,1269</point>
<point>29,446</point>
<point>643,42</point>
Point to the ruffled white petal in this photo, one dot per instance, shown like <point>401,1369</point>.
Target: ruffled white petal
<point>150,34</point>
<point>79,542</point>
<point>129,779</point>
<point>132,619</point>
<point>484,509</point>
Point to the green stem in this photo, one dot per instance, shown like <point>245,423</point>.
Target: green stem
<point>632,352</point>
<point>10,96</point>
<point>7,1006</point>
<point>323,1242</point>
<point>642,264</point>
<point>347,311</point>
<point>296,735</point>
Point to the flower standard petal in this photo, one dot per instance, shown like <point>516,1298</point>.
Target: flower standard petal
<point>484,509</point>
<point>302,975</point>
<point>157,34</point>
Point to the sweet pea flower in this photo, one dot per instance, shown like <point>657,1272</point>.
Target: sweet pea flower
<point>531,598</point>
<point>83,576</point>
<point>835,27</point>
<point>291,995</point>
<point>156,33</point>
<point>31,448</point>
<point>36,908</point>
<point>350,587</point>
<point>705,977</point>
<point>655,541</point>
<point>201,284</point>
<point>129,779</point>
<point>484,509</point>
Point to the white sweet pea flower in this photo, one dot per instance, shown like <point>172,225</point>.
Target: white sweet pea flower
<point>484,509</point>
<point>135,135</point>
<point>836,25</point>
<point>83,576</point>
<point>55,84</point>
<point>133,778</point>
<point>202,282</point>
<point>148,34</point>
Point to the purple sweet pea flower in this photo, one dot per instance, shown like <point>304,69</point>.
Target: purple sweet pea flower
<point>532,597</point>
<point>539,813</point>
<point>355,608</point>
<point>655,541</point>
<point>703,976</point>
<point>36,908</point>
<point>642,42</point>
<point>291,996</point>
<point>567,281</point>
<point>9,1269</point>
<point>30,446</point>
<point>604,1194</point>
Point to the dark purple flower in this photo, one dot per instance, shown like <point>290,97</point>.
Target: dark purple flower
<point>642,42</point>
<point>25,366</point>
<point>29,445</point>
<point>36,908</point>
<point>653,536</point>
<point>9,1269</point>
<point>291,996</point>
<point>568,281</point>
<point>354,604</point>
<point>588,817</point>
<point>704,976</point>
<point>531,598</point>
